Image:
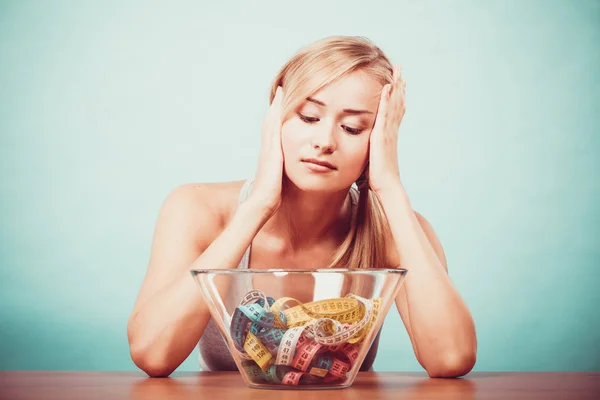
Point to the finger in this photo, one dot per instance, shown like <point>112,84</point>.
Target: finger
<point>278,93</point>
<point>396,77</point>
<point>266,126</point>
<point>275,104</point>
<point>397,93</point>
<point>383,106</point>
<point>277,118</point>
<point>384,100</point>
<point>397,102</point>
<point>397,73</point>
<point>278,101</point>
<point>270,117</point>
<point>394,89</point>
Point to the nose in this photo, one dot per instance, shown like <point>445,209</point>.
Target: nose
<point>324,138</point>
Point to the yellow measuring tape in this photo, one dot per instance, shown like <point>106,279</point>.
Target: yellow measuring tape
<point>314,342</point>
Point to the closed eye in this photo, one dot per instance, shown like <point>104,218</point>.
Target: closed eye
<point>312,120</point>
<point>308,120</point>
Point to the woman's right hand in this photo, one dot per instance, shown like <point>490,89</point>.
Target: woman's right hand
<point>266,189</point>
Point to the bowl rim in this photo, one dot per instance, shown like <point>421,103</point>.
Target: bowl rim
<point>299,271</point>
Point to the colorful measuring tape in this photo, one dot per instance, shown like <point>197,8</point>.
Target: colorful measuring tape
<point>312,343</point>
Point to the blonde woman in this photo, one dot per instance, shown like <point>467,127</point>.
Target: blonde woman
<point>336,108</point>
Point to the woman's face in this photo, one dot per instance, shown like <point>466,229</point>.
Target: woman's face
<point>333,125</point>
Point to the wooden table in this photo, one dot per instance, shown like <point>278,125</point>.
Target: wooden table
<point>229,385</point>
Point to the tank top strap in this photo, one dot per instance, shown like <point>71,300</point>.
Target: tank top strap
<point>354,195</point>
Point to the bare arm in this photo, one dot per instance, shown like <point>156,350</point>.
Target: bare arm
<point>437,319</point>
<point>170,314</point>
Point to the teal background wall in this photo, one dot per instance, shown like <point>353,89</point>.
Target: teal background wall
<point>107,106</point>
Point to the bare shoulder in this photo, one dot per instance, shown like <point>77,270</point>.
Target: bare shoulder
<point>195,200</point>
<point>191,216</point>
<point>394,259</point>
<point>433,239</point>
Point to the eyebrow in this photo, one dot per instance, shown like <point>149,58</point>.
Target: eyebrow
<point>345,110</point>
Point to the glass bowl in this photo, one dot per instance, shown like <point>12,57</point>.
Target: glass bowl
<point>299,329</point>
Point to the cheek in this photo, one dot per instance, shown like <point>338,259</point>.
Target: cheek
<point>359,150</point>
<point>362,157</point>
<point>355,157</point>
<point>291,137</point>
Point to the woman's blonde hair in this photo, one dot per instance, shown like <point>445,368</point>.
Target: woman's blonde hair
<point>309,70</point>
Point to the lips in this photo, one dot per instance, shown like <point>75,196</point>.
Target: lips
<point>320,162</point>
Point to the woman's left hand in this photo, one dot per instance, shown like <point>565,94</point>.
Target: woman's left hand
<point>383,170</point>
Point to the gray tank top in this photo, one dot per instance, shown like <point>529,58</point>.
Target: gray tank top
<point>213,352</point>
